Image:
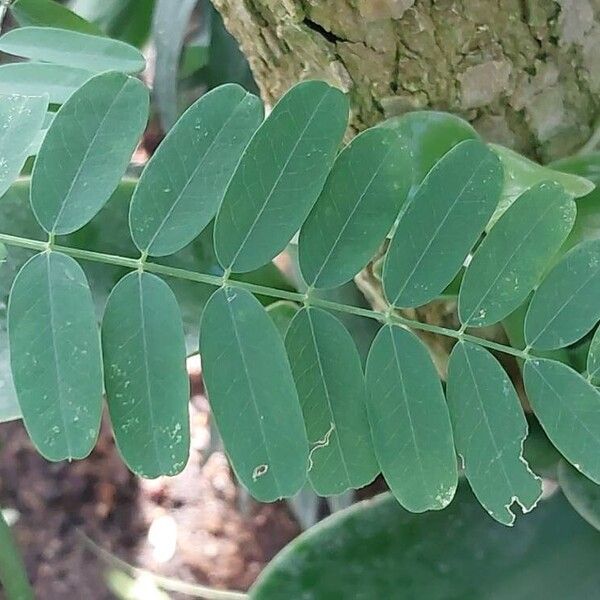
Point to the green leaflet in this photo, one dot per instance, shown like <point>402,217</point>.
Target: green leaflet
<point>280,175</point>
<point>593,359</point>
<point>55,356</point>
<point>252,395</point>
<point>37,79</point>
<point>21,118</point>
<point>330,383</point>
<point>512,258</point>
<point>489,430</point>
<point>183,184</point>
<point>409,419</point>
<point>282,313</point>
<point>170,23</point>
<point>565,306</point>
<point>582,494</point>
<point>147,387</point>
<point>49,13</point>
<point>520,174</point>
<point>429,135</point>
<point>72,49</point>
<point>441,224</point>
<point>375,551</point>
<point>568,408</point>
<point>94,134</point>
<point>356,209</point>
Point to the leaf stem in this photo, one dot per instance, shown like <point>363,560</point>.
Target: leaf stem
<point>12,571</point>
<point>217,281</point>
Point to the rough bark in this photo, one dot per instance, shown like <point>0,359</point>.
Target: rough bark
<point>525,72</point>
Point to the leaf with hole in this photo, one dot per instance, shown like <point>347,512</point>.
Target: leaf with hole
<point>95,133</point>
<point>183,184</point>
<point>49,13</point>
<point>489,430</point>
<point>147,387</point>
<point>21,118</point>
<point>252,395</point>
<point>512,258</point>
<point>55,356</point>
<point>410,424</point>
<point>356,209</point>
<point>429,135</point>
<point>37,79</point>
<point>565,306</point>
<point>582,494</point>
<point>377,550</point>
<point>441,224</point>
<point>330,383</point>
<point>280,175</point>
<point>72,49</point>
<point>568,408</point>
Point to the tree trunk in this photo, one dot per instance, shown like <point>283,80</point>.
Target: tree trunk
<point>526,73</point>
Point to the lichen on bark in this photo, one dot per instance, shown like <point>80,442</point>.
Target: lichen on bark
<point>526,73</point>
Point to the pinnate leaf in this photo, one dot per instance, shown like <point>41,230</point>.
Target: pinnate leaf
<point>330,383</point>
<point>565,306</point>
<point>280,175</point>
<point>441,224</point>
<point>568,408</point>
<point>183,184</point>
<point>511,259</point>
<point>252,395</point>
<point>489,429</point>
<point>55,356</point>
<point>147,386</point>
<point>94,133</point>
<point>356,209</point>
<point>409,419</point>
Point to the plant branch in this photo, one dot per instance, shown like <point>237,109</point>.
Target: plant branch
<point>12,571</point>
<point>306,299</point>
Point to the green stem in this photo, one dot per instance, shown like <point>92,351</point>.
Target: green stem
<point>12,571</point>
<point>134,263</point>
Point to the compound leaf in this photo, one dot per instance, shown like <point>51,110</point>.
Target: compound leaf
<point>185,180</point>
<point>568,408</point>
<point>49,13</point>
<point>94,133</point>
<point>37,79</point>
<point>280,175</point>
<point>565,306</point>
<point>441,224</point>
<point>72,49</point>
<point>330,383</point>
<point>489,429</point>
<point>409,419</point>
<point>147,386</point>
<point>55,356</point>
<point>511,259</point>
<point>21,118</point>
<point>582,494</point>
<point>252,395</point>
<point>356,209</point>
